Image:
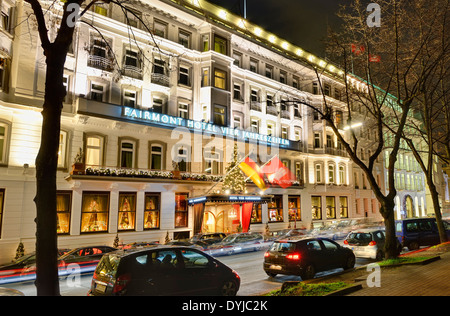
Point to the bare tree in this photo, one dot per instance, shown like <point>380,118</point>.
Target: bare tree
<point>432,128</point>
<point>55,52</point>
<point>383,74</point>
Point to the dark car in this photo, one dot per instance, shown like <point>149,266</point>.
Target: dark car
<point>163,270</point>
<point>208,238</point>
<point>415,232</point>
<point>85,259</point>
<point>306,257</point>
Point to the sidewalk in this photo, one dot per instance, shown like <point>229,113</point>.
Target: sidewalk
<point>432,279</point>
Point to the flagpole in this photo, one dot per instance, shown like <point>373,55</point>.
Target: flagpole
<point>276,155</point>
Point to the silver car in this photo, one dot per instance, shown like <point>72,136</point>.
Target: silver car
<point>366,243</point>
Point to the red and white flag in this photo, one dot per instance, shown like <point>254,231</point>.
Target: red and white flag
<point>277,173</point>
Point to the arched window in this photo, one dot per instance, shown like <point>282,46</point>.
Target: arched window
<point>128,153</point>
<point>331,174</point>
<point>342,175</point>
<point>94,150</point>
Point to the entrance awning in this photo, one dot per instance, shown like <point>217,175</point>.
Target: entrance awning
<point>232,199</point>
<point>246,201</point>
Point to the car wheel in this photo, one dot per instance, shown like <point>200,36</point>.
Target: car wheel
<point>309,272</point>
<point>229,288</point>
<point>414,245</point>
<point>350,263</point>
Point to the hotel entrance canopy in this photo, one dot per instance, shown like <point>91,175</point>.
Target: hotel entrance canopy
<point>238,204</point>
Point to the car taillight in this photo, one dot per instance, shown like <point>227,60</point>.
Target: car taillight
<point>372,243</point>
<point>293,256</point>
<point>121,283</point>
<point>346,242</point>
<point>266,254</point>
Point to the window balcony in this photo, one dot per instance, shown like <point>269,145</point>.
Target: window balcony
<point>285,114</point>
<point>272,110</point>
<point>132,71</point>
<point>255,106</point>
<point>160,79</point>
<point>100,62</point>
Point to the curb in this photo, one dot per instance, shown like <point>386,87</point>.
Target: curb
<point>423,262</point>
<point>347,290</point>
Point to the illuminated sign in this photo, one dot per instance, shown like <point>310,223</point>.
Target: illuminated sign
<point>168,120</point>
<point>245,198</point>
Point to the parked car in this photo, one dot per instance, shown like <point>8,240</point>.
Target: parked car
<point>306,257</point>
<point>197,245</point>
<point>208,238</point>
<point>10,292</point>
<point>292,233</point>
<point>139,244</point>
<point>86,259</point>
<point>238,242</point>
<point>415,232</point>
<point>163,270</point>
<point>22,268</point>
<point>366,243</point>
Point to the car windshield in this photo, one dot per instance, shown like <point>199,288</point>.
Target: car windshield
<point>108,266</point>
<point>229,239</point>
<point>282,246</point>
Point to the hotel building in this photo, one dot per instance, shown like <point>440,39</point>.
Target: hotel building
<point>154,118</point>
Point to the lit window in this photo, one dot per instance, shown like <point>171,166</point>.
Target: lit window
<point>94,150</point>
<point>127,211</point>
<point>4,135</point>
<point>211,162</point>
<point>63,207</point>
<point>94,212</point>
<point>220,115</point>
<point>152,211</point>
<point>220,45</point>
<point>220,79</point>
<point>62,149</point>
<point>181,209</point>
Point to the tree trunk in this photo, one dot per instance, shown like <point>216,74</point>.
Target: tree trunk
<point>47,281</point>
<point>391,249</point>
<point>437,210</point>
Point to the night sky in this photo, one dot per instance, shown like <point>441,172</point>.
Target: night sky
<point>301,22</point>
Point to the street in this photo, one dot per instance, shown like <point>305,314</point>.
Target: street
<point>254,280</point>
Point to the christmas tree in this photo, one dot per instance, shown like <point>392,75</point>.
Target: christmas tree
<point>234,181</point>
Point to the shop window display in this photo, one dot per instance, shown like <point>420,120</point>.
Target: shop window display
<point>63,206</point>
<point>331,207</point>
<point>127,211</point>
<point>152,211</point>
<point>343,207</point>
<point>295,213</point>
<point>316,207</point>
<point>181,210</point>
<point>276,209</point>
<point>94,212</point>
<point>256,213</point>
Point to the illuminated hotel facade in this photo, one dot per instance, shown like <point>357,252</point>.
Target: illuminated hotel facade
<point>156,119</point>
